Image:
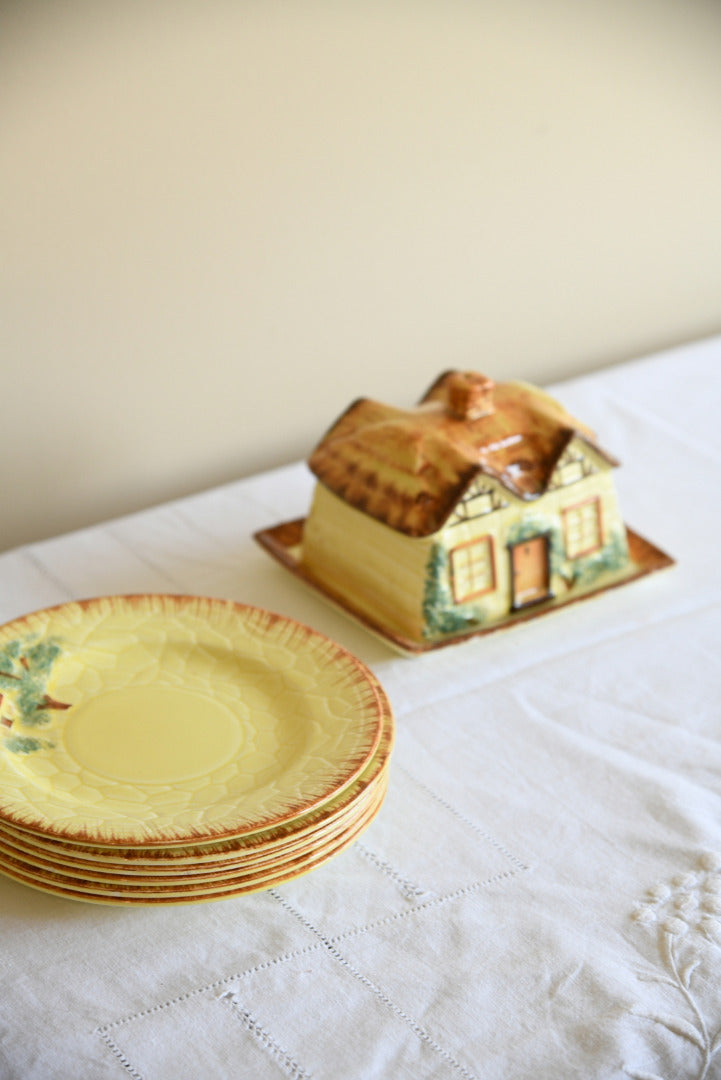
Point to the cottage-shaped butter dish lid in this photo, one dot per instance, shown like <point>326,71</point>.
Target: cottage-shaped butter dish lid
<point>485,504</point>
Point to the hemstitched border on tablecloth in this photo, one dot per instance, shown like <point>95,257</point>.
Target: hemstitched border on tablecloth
<point>380,994</point>
<point>322,944</point>
<point>115,1049</point>
<point>462,817</point>
<point>410,892</point>
<point>353,931</point>
<point>287,1063</point>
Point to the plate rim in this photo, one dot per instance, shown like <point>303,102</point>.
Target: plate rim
<point>127,831</point>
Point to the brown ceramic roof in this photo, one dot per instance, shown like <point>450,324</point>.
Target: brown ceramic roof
<point>409,467</point>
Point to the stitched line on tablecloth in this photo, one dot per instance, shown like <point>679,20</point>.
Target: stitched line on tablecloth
<point>284,958</point>
<point>47,574</point>
<point>279,1055</point>
<point>434,901</point>
<point>214,985</point>
<point>189,518</point>
<point>121,1057</point>
<point>144,559</point>
<point>408,889</point>
<point>385,1000</point>
<point>190,521</point>
<point>466,821</point>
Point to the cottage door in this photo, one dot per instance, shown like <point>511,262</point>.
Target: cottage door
<point>529,566</point>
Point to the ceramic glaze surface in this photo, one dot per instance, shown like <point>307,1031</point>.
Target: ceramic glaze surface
<point>148,735</point>
<point>138,893</point>
<point>146,873</point>
<point>108,882</point>
<point>485,504</point>
<point>169,719</point>
<point>409,467</point>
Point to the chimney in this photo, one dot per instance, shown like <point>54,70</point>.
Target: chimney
<point>470,395</point>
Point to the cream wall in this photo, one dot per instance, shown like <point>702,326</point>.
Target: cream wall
<point>222,221</point>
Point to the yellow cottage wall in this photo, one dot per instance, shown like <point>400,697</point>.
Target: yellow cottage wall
<point>384,574</point>
<point>380,571</point>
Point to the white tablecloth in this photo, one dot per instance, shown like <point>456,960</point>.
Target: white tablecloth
<point>540,895</point>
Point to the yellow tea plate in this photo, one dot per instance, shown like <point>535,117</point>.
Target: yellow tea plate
<point>178,857</point>
<point>160,720</point>
<point>234,885</point>
<point>244,858</point>
<point>205,879</point>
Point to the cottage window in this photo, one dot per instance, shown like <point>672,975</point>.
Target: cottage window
<point>570,472</point>
<point>572,467</point>
<point>478,502</point>
<point>582,528</point>
<point>472,569</point>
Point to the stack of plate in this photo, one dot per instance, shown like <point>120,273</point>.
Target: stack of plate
<point>167,749</point>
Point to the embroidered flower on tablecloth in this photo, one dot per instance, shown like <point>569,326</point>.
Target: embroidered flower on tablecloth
<point>686,917</point>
